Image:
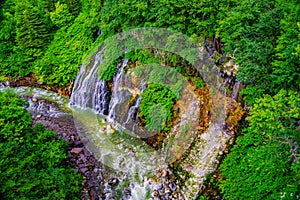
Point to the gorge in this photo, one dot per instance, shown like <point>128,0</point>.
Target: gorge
<point>106,116</point>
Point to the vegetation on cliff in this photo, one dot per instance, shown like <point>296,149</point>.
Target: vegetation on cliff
<point>52,38</point>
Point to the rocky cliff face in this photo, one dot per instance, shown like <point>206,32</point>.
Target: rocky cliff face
<point>205,121</point>
<point>159,165</point>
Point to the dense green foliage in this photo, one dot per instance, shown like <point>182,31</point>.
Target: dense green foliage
<point>190,17</point>
<point>51,39</point>
<point>157,106</point>
<point>32,158</point>
<point>263,164</point>
<point>199,83</point>
<point>58,35</point>
<point>264,36</point>
<point>70,44</point>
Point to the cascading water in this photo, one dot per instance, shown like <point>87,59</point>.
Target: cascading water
<point>89,91</point>
<point>100,97</point>
<point>117,95</point>
<point>132,116</point>
<point>133,112</point>
<point>115,143</point>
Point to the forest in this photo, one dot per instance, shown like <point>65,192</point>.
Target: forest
<point>50,39</point>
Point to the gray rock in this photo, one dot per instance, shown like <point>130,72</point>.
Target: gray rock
<point>173,186</point>
<point>155,194</point>
<point>127,191</point>
<point>76,150</point>
<point>83,170</point>
<point>113,181</point>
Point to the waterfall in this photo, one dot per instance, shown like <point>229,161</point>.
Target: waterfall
<point>91,96</point>
<point>133,112</point>
<point>117,96</point>
<point>100,97</point>
<point>89,91</point>
<point>132,116</point>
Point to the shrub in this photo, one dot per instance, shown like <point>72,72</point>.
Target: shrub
<point>32,158</point>
<point>157,106</point>
<point>263,163</point>
<point>199,83</point>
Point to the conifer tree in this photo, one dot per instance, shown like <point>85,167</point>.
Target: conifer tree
<point>32,35</point>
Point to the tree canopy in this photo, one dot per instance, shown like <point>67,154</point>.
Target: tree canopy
<point>264,163</point>
<point>32,159</point>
